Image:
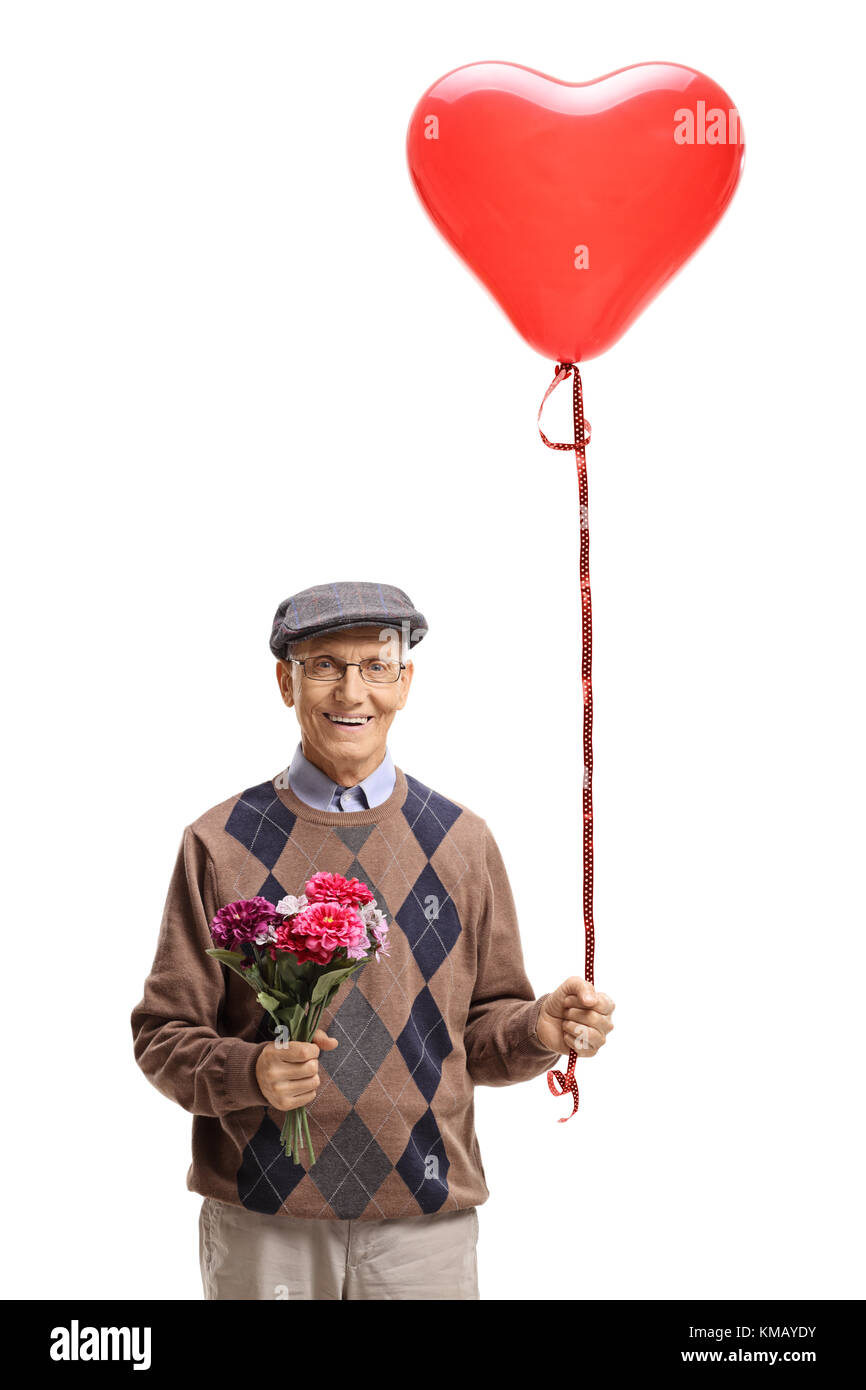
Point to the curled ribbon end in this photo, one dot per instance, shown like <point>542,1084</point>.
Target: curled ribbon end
<point>567,1086</point>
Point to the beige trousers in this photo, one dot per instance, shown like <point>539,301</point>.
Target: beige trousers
<point>249,1255</point>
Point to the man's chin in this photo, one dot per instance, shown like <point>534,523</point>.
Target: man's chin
<point>332,744</point>
<point>348,736</point>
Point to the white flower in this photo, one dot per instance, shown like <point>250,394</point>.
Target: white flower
<point>377,926</point>
<point>290,905</point>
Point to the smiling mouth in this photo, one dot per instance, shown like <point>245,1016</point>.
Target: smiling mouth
<point>348,721</point>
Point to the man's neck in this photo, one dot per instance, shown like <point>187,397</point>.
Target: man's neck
<point>348,773</point>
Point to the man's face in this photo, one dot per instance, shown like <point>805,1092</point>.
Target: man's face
<point>347,752</point>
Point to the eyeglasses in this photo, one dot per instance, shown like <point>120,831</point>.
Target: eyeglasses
<point>373,669</point>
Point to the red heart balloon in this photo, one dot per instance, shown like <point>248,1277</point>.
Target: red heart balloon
<point>575,202</point>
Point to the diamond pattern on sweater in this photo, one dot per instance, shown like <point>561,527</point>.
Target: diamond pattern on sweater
<point>356,870</point>
<point>354,837</point>
<point>424,1164</point>
<point>430,921</point>
<point>351,1168</point>
<point>425,1044</point>
<point>430,815</point>
<point>272,889</point>
<point>266,1177</point>
<point>364,1044</point>
<point>262,823</point>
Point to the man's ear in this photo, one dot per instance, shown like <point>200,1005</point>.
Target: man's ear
<point>284,680</point>
<point>407,681</point>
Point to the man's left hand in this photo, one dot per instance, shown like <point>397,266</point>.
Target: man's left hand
<point>576,1017</point>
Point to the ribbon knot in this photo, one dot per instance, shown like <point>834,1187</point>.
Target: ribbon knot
<point>563,372</point>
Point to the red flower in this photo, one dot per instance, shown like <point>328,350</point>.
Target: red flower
<point>334,888</point>
<point>321,930</point>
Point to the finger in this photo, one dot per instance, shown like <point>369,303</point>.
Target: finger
<point>603,1003</point>
<point>603,1022</point>
<point>304,1070</point>
<point>296,1052</point>
<point>589,998</point>
<point>579,991</point>
<point>321,1037</point>
<point>583,1039</point>
<point>289,1091</point>
<point>289,1103</point>
<point>300,1072</point>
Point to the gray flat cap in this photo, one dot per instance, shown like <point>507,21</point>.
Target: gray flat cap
<point>329,607</point>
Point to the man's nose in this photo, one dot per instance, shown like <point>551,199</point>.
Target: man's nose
<point>351,684</point>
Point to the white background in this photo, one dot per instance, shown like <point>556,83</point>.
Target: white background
<point>239,360</point>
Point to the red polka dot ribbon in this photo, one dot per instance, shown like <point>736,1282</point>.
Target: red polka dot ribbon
<point>567,1082</point>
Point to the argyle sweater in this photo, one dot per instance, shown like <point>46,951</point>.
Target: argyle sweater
<point>449,1008</point>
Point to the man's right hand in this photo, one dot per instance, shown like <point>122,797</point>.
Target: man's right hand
<point>288,1076</point>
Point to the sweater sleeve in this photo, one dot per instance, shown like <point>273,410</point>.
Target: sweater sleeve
<point>175,1025</point>
<point>500,1038</point>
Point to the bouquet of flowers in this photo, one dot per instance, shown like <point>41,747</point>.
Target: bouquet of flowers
<point>295,955</point>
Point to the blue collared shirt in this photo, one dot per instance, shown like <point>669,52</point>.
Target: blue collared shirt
<point>317,789</point>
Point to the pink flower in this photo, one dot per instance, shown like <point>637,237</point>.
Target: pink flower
<point>334,888</point>
<point>247,920</point>
<point>321,930</point>
<point>377,927</point>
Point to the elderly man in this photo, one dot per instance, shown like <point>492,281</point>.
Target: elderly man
<point>389,1208</point>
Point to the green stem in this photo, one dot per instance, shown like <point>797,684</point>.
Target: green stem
<point>307,1132</point>
<point>313,1021</point>
<point>295,1125</point>
<point>284,1132</point>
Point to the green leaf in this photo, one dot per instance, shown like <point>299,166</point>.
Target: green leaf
<point>287,996</point>
<point>227,957</point>
<point>293,1018</point>
<point>288,972</point>
<point>233,960</point>
<point>265,987</point>
<point>327,985</point>
<point>268,1002</point>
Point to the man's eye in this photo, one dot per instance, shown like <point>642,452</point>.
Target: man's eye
<point>322,664</point>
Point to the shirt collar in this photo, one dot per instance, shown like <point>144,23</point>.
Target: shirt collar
<point>317,789</point>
